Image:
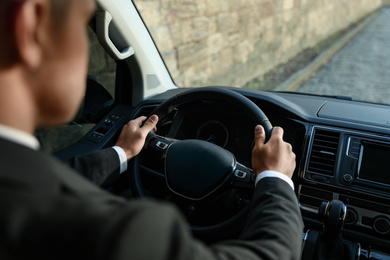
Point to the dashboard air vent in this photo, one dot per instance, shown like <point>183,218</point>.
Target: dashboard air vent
<point>324,152</point>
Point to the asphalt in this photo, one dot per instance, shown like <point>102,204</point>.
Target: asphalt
<point>357,66</point>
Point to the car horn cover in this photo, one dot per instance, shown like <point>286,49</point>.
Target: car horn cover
<point>195,168</point>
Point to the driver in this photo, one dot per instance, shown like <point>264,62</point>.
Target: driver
<point>50,212</point>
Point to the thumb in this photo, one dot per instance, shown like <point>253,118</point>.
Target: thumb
<point>259,135</point>
<point>150,123</point>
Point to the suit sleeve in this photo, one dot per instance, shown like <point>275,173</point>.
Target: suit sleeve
<point>274,226</point>
<point>96,225</point>
<point>273,231</point>
<point>101,167</point>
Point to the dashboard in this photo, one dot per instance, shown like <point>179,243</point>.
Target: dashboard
<point>342,152</point>
<point>342,148</point>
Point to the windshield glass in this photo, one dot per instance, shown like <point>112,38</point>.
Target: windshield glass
<point>337,47</point>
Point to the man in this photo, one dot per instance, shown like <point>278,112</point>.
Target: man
<point>50,212</point>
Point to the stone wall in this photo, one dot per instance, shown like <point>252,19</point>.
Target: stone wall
<point>230,42</point>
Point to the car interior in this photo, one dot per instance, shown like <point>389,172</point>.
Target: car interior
<point>342,146</point>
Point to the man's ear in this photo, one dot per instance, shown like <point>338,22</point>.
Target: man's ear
<point>31,31</point>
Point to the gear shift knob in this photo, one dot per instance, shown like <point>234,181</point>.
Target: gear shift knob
<point>334,214</point>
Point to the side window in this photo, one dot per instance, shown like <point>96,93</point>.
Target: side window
<point>98,99</point>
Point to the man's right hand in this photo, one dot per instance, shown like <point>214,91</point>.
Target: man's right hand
<point>275,155</point>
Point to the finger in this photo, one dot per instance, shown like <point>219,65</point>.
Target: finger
<point>259,135</point>
<point>290,148</point>
<point>138,120</point>
<point>277,132</point>
<point>150,123</point>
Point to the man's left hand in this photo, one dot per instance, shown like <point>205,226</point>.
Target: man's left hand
<point>132,137</point>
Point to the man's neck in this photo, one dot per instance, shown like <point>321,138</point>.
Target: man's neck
<point>16,103</point>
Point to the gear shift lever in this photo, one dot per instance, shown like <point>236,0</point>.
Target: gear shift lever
<point>329,243</point>
<point>334,214</point>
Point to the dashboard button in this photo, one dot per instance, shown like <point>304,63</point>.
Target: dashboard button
<point>240,174</point>
<point>381,225</point>
<point>367,221</point>
<point>347,178</point>
<point>162,145</point>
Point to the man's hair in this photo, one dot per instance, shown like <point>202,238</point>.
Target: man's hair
<point>58,8</point>
<point>8,9</point>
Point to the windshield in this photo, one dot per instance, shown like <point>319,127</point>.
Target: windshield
<point>337,48</point>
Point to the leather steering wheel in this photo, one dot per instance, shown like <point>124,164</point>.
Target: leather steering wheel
<point>196,171</point>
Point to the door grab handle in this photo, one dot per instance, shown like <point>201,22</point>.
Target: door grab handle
<point>103,20</point>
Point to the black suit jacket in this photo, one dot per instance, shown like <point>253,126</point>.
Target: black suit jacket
<point>47,211</point>
<point>101,167</point>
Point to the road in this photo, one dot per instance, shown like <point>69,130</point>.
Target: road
<point>361,69</point>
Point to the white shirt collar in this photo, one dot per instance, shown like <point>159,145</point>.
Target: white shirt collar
<point>18,136</point>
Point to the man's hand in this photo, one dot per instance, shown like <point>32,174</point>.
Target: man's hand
<point>132,137</point>
<point>275,155</point>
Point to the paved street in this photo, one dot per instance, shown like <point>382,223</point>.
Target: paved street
<point>361,69</point>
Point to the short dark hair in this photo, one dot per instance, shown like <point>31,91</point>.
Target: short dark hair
<point>58,7</point>
<point>8,8</point>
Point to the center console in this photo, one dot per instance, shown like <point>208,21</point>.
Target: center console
<point>354,168</point>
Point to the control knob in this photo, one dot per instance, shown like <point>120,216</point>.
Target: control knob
<point>381,225</point>
<point>347,178</point>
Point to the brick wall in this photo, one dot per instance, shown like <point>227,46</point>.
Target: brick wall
<point>230,42</point>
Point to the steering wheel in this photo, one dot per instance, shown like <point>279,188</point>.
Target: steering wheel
<point>197,172</point>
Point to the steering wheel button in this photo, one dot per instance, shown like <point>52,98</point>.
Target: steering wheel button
<point>240,174</point>
<point>161,145</point>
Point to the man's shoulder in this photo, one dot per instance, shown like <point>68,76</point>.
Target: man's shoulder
<point>41,172</point>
